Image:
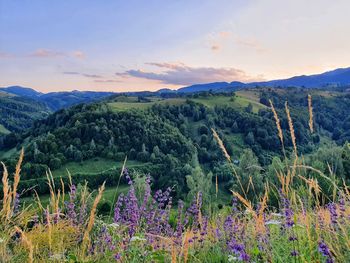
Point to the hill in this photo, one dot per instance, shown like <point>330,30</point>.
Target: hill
<point>18,113</point>
<point>327,80</point>
<point>170,137</point>
<point>57,100</point>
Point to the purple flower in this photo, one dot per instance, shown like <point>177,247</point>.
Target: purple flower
<point>323,248</point>
<point>117,209</point>
<point>333,211</point>
<point>117,256</point>
<point>70,206</point>
<point>238,249</point>
<point>288,211</point>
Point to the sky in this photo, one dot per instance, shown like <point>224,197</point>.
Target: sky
<point>134,45</point>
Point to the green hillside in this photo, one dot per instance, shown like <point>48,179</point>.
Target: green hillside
<point>18,113</point>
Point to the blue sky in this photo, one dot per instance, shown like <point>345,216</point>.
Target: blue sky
<point>146,45</point>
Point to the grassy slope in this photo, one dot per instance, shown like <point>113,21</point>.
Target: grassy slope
<point>3,130</point>
<point>241,101</point>
<point>92,166</point>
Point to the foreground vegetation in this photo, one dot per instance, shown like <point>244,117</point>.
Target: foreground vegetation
<point>143,227</point>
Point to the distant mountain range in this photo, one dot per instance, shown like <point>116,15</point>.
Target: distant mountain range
<point>330,79</point>
<point>58,100</point>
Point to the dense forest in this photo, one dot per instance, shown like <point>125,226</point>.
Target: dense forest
<point>18,113</point>
<point>174,139</point>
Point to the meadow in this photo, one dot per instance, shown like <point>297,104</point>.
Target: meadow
<point>297,213</point>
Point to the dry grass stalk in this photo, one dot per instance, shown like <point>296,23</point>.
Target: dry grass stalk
<point>311,122</point>
<point>6,190</point>
<point>216,186</point>
<point>49,228</point>
<point>221,145</point>
<point>173,254</point>
<point>185,246</point>
<point>278,123</point>
<point>227,156</point>
<point>291,129</point>
<point>17,174</point>
<point>27,243</point>
<point>86,238</point>
<point>259,222</point>
<point>246,202</point>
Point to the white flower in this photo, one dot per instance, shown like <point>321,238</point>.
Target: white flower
<point>57,257</point>
<point>136,238</point>
<point>273,222</point>
<point>231,258</point>
<point>277,214</point>
<point>114,225</point>
<point>2,240</point>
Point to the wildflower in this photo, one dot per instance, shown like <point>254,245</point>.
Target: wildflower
<point>333,211</point>
<point>325,251</point>
<point>273,222</point>
<point>238,249</point>
<point>288,211</point>
<point>70,206</point>
<point>117,256</point>
<point>117,216</point>
<point>137,238</point>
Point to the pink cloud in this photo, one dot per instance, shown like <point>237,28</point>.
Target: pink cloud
<point>78,54</point>
<point>46,53</point>
<point>181,74</point>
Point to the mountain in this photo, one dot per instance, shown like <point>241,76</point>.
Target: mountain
<point>60,100</point>
<point>22,91</point>
<point>18,112</point>
<point>330,79</point>
<point>335,78</point>
<point>57,100</point>
<point>211,86</point>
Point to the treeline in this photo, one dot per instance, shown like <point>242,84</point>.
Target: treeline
<point>18,113</point>
<point>331,111</point>
<point>88,131</point>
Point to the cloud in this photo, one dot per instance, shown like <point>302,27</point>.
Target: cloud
<point>5,55</point>
<point>71,73</point>
<point>215,47</point>
<point>218,39</point>
<point>78,54</point>
<point>95,76</point>
<point>46,53</point>
<point>107,81</point>
<point>249,43</point>
<point>181,74</point>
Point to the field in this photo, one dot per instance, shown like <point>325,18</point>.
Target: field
<point>241,101</point>
<point>127,103</point>
<point>93,166</point>
<point>3,130</point>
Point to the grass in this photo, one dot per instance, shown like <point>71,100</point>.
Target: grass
<point>3,130</point>
<point>127,103</point>
<point>92,166</point>
<point>240,101</point>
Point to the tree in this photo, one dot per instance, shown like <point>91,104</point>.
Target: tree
<point>249,173</point>
<point>199,182</point>
<point>346,160</point>
<point>249,139</point>
<point>249,108</point>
